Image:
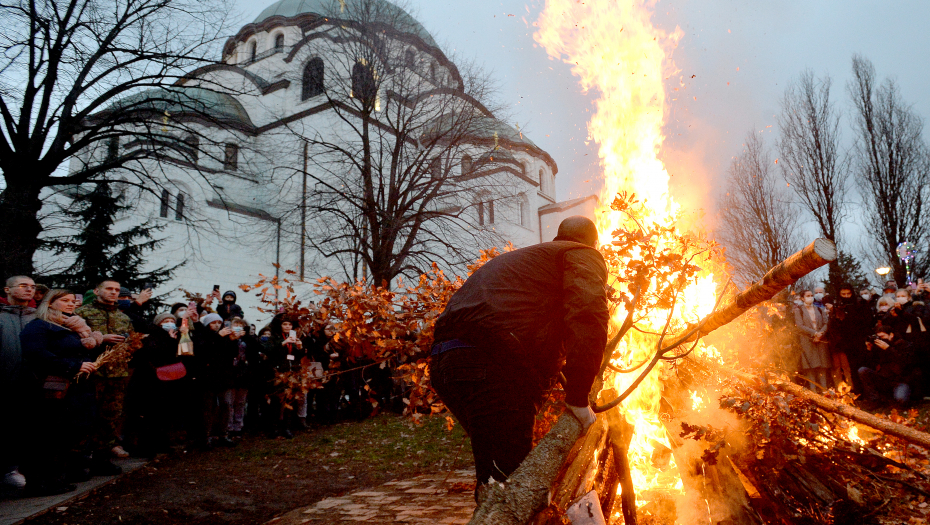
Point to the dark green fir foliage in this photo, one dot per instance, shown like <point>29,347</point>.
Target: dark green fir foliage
<point>100,250</point>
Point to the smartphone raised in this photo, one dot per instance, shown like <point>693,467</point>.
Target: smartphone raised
<point>293,333</point>
<point>216,288</point>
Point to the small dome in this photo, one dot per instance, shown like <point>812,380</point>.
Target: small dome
<point>399,18</point>
<point>197,100</point>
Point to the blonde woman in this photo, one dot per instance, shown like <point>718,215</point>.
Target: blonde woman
<point>58,345</point>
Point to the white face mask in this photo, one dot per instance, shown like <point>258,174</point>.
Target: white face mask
<point>182,313</point>
<point>808,300</point>
<point>798,302</point>
<point>866,296</point>
<point>883,308</point>
<point>818,296</point>
<point>169,326</point>
<point>900,300</point>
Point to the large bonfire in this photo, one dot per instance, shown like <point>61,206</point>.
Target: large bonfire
<point>623,59</point>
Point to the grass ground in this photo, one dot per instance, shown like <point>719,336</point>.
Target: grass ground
<point>262,477</point>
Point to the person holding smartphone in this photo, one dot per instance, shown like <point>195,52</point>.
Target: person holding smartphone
<point>287,351</point>
<point>215,350</point>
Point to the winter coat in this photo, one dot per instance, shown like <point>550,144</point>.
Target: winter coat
<point>813,355</point>
<point>12,321</point>
<point>537,306</point>
<point>228,311</point>
<point>50,349</point>
<point>278,355</point>
<point>107,319</point>
<point>246,361</point>
<point>215,354</point>
<point>897,363</point>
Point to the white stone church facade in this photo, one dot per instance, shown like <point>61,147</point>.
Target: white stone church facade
<point>231,215</point>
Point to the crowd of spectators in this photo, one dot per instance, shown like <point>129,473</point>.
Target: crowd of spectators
<point>875,345</point>
<point>60,429</point>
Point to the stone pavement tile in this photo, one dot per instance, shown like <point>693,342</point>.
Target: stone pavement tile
<point>421,500</point>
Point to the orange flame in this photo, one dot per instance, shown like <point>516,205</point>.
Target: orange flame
<point>621,57</point>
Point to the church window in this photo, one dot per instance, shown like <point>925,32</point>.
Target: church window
<point>481,213</point>
<point>432,72</point>
<point>410,58</point>
<point>279,43</point>
<point>466,164</point>
<point>231,159</point>
<point>165,198</point>
<point>363,83</point>
<point>490,212</point>
<point>313,78</point>
<point>253,51</point>
<point>112,148</point>
<point>179,209</point>
<point>193,148</point>
<point>542,181</point>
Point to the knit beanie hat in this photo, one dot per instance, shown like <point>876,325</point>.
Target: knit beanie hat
<point>160,318</point>
<point>209,318</point>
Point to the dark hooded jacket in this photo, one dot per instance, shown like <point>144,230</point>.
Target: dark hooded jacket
<point>228,311</point>
<point>537,306</point>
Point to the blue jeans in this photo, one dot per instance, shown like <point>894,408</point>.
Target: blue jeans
<point>877,386</point>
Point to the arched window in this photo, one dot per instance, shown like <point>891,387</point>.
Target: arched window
<point>253,51</point>
<point>313,79</point>
<point>179,209</point>
<point>112,148</point>
<point>279,43</point>
<point>165,198</point>
<point>542,181</point>
<point>432,72</point>
<point>363,83</point>
<point>410,58</point>
<point>466,164</point>
<point>193,148</point>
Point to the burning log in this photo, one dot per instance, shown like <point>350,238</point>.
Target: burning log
<point>815,255</point>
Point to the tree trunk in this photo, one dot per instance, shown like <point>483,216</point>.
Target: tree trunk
<point>526,492</point>
<point>20,227</point>
<point>815,255</point>
<point>879,423</point>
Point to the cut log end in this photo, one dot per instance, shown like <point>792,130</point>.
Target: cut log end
<point>825,249</point>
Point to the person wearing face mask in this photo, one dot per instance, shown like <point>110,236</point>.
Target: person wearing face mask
<point>821,299</point>
<point>811,323</point>
<point>245,361</point>
<point>157,385</point>
<point>850,322</point>
<point>258,413</point>
<point>901,319</point>
<point>56,346</point>
<point>228,307</point>
<point>893,372</point>
<point>215,349</point>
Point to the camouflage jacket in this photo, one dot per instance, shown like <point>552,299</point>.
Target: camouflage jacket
<point>107,319</point>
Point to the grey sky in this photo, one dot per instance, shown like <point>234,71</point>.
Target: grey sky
<point>770,43</point>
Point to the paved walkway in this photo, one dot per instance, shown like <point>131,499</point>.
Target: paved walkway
<point>443,498</point>
<point>14,509</point>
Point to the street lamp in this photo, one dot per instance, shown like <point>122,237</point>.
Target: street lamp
<point>883,271</point>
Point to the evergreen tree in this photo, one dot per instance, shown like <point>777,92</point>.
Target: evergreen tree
<point>101,252</point>
<point>849,272</point>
